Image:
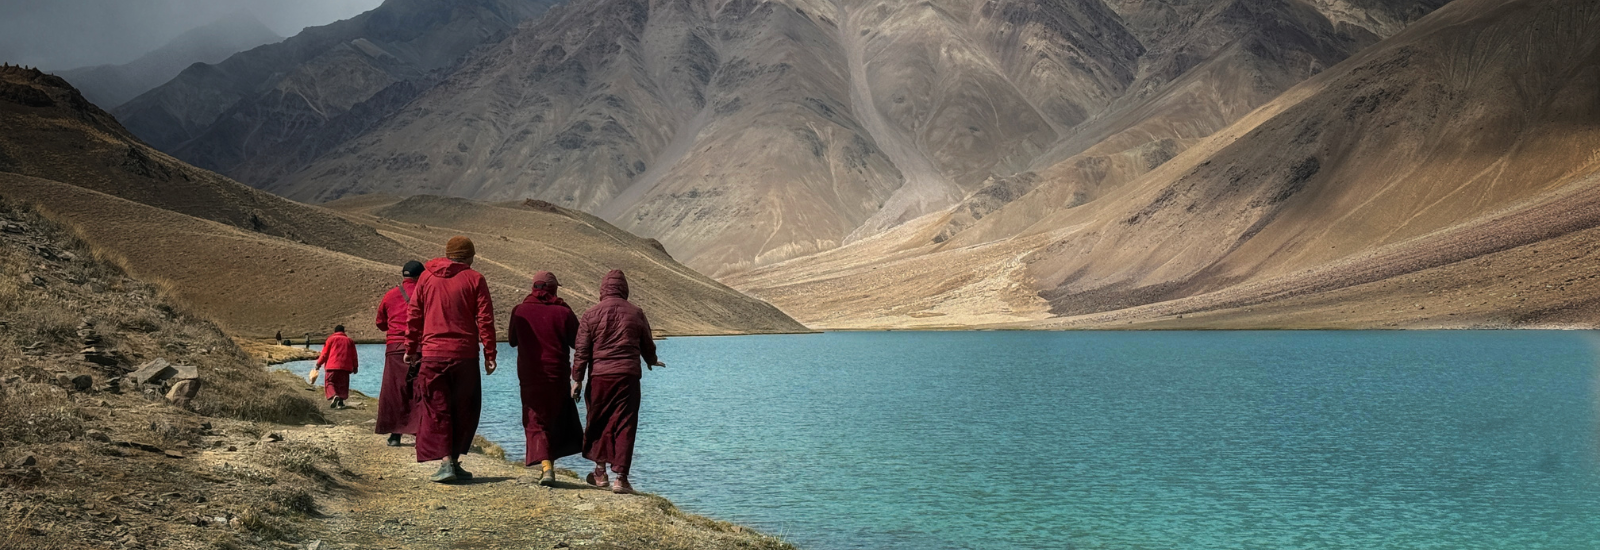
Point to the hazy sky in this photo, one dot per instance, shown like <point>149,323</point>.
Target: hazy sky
<point>65,34</point>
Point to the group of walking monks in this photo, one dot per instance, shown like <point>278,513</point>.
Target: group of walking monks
<point>435,322</point>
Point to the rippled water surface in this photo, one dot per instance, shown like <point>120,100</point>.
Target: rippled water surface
<point>1120,440</point>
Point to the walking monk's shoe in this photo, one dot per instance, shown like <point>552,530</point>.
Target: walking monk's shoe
<point>446,474</point>
<point>620,485</point>
<point>461,473</point>
<point>597,478</point>
<point>547,478</point>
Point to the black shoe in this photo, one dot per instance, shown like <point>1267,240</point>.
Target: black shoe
<point>394,440</point>
<point>461,473</point>
<point>340,402</point>
<point>446,474</point>
<point>333,403</point>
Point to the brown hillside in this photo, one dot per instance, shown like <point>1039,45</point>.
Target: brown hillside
<point>252,284</point>
<point>1457,140</point>
<point>515,240</point>
<point>259,264</point>
<point>52,132</point>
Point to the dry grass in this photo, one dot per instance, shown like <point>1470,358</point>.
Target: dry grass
<point>102,467</point>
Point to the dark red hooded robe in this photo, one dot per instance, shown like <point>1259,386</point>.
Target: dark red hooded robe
<point>394,396</point>
<point>543,329</point>
<point>449,317</point>
<point>612,337</point>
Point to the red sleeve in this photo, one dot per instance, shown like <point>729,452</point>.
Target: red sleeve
<point>350,354</point>
<point>570,336</point>
<point>414,316</point>
<point>511,327</point>
<point>383,309</point>
<point>583,351</point>
<point>647,341</point>
<point>486,320</point>
<point>322,358</point>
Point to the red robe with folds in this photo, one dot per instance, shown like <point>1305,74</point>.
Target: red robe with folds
<point>450,315</point>
<point>338,362</point>
<point>395,396</point>
<point>612,337</point>
<point>543,329</point>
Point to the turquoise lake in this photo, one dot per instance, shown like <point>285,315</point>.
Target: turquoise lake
<point>1119,440</point>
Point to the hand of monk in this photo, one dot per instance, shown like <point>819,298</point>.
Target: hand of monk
<point>652,366</point>
<point>577,390</point>
<point>488,367</point>
<point>411,359</point>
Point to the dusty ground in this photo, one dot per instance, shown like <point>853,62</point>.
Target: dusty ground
<point>387,503</point>
<point>89,458</point>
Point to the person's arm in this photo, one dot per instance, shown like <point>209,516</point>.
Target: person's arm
<point>486,323</point>
<point>511,328</point>
<point>414,319</point>
<point>350,351</point>
<point>322,359</point>
<point>582,353</point>
<point>383,312</point>
<point>569,337</point>
<point>647,343</point>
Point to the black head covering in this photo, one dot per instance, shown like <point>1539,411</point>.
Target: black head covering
<point>413,268</point>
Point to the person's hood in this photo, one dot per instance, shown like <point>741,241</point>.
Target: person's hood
<point>547,293</point>
<point>445,267</point>
<point>615,284</point>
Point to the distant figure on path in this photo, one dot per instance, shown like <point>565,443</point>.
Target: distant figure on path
<point>612,337</point>
<point>308,340</point>
<point>394,395</point>
<point>449,316</point>
<point>543,329</point>
<point>338,362</point>
<point>278,339</point>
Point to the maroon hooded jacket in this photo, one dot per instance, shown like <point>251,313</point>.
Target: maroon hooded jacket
<point>392,311</point>
<point>460,315</point>
<point>338,354</point>
<point>613,334</point>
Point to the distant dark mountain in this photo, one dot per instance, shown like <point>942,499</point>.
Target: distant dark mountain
<point>265,111</point>
<point>111,85</point>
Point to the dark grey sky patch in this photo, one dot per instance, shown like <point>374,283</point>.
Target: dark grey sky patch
<point>65,34</point>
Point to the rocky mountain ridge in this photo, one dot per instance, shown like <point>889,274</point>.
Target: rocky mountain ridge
<point>112,85</point>
<point>744,133</point>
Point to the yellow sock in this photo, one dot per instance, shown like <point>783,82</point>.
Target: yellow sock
<point>546,465</point>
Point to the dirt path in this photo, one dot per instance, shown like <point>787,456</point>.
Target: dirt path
<point>389,504</point>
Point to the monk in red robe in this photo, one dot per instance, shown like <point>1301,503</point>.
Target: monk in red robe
<point>337,361</point>
<point>543,329</point>
<point>394,395</point>
<point>612,337</point>
<point>450,315</point>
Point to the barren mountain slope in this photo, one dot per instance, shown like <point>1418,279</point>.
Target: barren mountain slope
<point>723,130</point>
<point>745,133</point>
<point>111,85</point>
<point>1477,108</point>
<point>516,240</point>
<point>1207,65</point>
<point>1481,105</point>
<point>265,112</point>
<point>258,263</point>
<point>252,284</point>
<point>48,130</point>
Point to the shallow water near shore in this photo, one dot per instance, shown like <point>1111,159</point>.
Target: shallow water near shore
<point>1119,439</point>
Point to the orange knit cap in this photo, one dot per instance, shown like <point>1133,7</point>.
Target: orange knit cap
<point>459,248</point>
